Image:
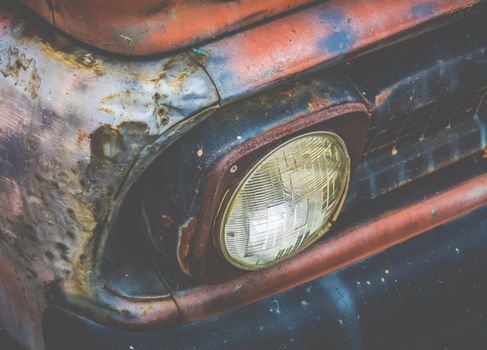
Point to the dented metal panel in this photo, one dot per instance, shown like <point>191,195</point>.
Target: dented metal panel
<point>154,26</point>
<point>72,124</point>
<point>77,127</point>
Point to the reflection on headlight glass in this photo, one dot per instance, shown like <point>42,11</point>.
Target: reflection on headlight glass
<point>285,202</point>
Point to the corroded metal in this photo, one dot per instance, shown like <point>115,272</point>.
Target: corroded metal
<point>77,128</point>
<point>199,177</point>
<point>349,120</point>
<point>345,248</point>
<point>323,34</point>
<point>72,124</point>
<point>429,105</point>
<point>153,26</point>
<point>411,295</point>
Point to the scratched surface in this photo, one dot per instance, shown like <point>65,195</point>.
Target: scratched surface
<point>153,26</point>
<point>72,123</point>
<point>77,126</point>
<point>247,61</point>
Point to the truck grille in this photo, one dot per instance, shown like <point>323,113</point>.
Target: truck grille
<point>423,122</point>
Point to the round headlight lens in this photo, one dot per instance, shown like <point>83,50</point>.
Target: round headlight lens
<point>286,201</point>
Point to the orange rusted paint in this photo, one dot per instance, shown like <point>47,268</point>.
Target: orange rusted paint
<point>382,97</point>
<point>244,62</point>
<point>348,247</point>
<point>153,26</point>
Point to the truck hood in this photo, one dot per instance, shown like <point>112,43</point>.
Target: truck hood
<point>154,26</point>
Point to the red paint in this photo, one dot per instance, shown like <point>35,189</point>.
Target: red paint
<point>153,26</point>
<point>278,49</point>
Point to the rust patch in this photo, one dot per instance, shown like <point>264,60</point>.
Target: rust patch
<point>80,139</point>
<point>77,60</point>
<point>318,104</point>
<point>166,224</point>
<point>112,151</point>
<point>158,78</point>
<point>380,98</point>
<point>136,103</point>
<point>178,81</point>
<point>21,70</point>
<point>187,233</point>
<point>106,142</point>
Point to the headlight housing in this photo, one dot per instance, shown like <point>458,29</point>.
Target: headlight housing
<point>194,194</point>
<point>286,201</point>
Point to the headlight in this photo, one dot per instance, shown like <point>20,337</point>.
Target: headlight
<point>286,201</point>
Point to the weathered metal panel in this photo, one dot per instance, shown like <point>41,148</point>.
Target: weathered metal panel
<point>72,124</point>
<point>196,179</point>
<point>245,62</point>
<point>349,246</point>
<point>429,100</point>
<point>78,126</point>
<point>154,26</point>
<point>427,293</point>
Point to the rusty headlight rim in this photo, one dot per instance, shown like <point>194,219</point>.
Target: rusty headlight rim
<point>235,189</point>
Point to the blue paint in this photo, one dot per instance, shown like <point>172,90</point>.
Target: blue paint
<point>342,295</point>
<point>482,130</point>
<point>341,38</point>
<point>423,10</point>
<point>201,53</point>
<point>371,179</point>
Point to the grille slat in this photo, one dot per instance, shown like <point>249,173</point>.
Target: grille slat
<point>402,130</point>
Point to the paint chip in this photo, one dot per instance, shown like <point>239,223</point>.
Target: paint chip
<point>202,53</point>
<point>128,40</point>
<point>394,150</point>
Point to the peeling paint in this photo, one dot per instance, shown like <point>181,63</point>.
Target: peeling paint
<point>20,70</point>
<point>137,27</point>
<point>67,147</point>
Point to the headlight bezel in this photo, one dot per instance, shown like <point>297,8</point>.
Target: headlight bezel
<point>189,184</point>
<point>233,191</point>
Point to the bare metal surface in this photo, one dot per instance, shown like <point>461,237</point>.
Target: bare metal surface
<point>77,127</point>
<point>72,124</point>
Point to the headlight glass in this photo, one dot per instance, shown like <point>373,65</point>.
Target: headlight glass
<point>286,201</point>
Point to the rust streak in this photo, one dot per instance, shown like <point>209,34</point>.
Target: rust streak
<point>382,97</point>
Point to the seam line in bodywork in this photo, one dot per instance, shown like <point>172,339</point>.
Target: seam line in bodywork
<point>51,8</point>
<point>193,57</point>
